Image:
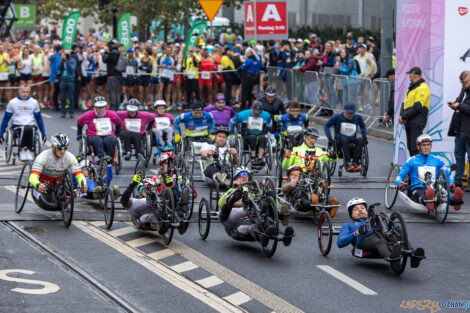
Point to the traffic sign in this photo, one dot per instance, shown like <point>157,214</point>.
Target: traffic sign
<point>211,7</point>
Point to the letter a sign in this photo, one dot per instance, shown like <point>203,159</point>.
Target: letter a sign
<point>266,19</point>
<point>211,7</point>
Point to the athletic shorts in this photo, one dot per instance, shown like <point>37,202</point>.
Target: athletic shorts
<point>218,79</point>
<point>205,82</point>
<point>25,77</point>
<point>165,80</point>
<point>6,75</point>
<point>101,80</point>
<point>130,81</point>
<point>85,80</point>
<point>36,78</point>
<point>13,79</point>
<point>143,80</point>
<point>45,78</point>
<point>178,78</point>
<point>155,80</point>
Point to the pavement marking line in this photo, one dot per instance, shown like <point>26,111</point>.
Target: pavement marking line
<point>139,242</point>
<point>46,115</point>
<point>347,280</point>
<point>209,282</point>
<point>161,254</point>
<point>184,267</point>
<point>177,280</point>
<point>98,223</point>
<point>238,298</point>
<point>253,290</point>
<point>121,231</point>
<point>73,127</point>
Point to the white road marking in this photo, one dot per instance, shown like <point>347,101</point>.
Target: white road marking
<point>347,280</point>
<point>139,242</point>
<point>98,223</point>
<point>238,298</point>
<point>161,254</point>
<point>159,269</point>
<point>210,281</point>
<point>46,115</point>
<point>121,231</point>
<point>47,287</point>
<point>184,267</point>
<point>73,127</point>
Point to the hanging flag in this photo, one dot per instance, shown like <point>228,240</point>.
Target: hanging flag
<point>193,34</point>
<point>69,30</point>
<point>124,30</point>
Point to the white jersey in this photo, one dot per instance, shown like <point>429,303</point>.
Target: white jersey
<point>46,164</point>
<point>23,111</point>
<point>223,152</point>
<point>28,64</point>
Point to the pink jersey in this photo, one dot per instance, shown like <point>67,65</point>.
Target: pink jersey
<point>136,124</point>
<point>162,121</point>
<point>99,126</point>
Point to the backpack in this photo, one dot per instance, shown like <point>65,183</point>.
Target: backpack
<point>358,67</point>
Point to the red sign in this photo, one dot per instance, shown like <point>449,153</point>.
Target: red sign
<point>270,17</point>
<point>463,10</point>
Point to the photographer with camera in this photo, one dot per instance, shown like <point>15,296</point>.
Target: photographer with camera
<point>68,67</point>
<point>111,59</point>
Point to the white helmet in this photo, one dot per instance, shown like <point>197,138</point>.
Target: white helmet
<point>353,202</point>
<point>159,103</point>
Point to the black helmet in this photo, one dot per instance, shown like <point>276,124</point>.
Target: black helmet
<point>221,129</point>
<point>311,131</point>
<point>60,140</point>
<point>100,102</point>
<point>270,91</point>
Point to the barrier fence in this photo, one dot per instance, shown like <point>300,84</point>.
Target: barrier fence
<point>327,92</point>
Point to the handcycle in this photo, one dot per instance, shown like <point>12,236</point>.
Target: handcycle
<point>12,140</point>
<point>259,208</point>
<point>440,184</point>
<point>146,146</point>
<point>364,160</point>
<point>391,228</point>
<point>60,191</point>
<point>224,163</point>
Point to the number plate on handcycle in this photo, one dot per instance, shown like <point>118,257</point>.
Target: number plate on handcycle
<point>197,147</point>
<point>294,129</point>
<point>422,170</point>
<point>358,253</point>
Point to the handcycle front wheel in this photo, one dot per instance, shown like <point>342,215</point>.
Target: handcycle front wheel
<point>325,233</point>
<point>102,172</point>
<point>441,209</point>
<point>364,161</point>
<point>269,217</point>
<point>401,236</point>
<point>22,187</point>
<point>68,201</point>
<point>8,145</point>
<point>204,218</point>
<point>140,165</point>
<point>391,188</point>
<point>169,213</point>
<point>108,207</point>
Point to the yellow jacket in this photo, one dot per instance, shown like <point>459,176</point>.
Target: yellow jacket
<point>415,107</point>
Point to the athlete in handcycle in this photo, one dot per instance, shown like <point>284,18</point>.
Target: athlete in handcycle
<point>50,176</point>
<point>346,142</point>
<point>424,183</point>
<point>246,218</point>
<point>291,125</point>
<point>375,235</point>
<point>162,129</point>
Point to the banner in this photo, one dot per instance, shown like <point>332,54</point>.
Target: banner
<point>69,29</point>
<point>193,34</point>
<point>124,30</point>
<point>26,14</point>
<point>266,19</point>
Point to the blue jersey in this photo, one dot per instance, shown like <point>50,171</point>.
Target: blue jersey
<point>345,127</point>
<point>288,122</point>
<point>418,165</point>
<point>346,234</point>
<point>252,125</point>
<point>91,184</point>
<point>195,127</point>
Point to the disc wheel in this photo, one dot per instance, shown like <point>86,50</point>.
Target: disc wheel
<point>204,218</point>
<point>67,201</point>
<point>22,187</point>
<point>269,217</point>
<point>168,207</point>
<point>399,235</point>
<point>325,233</point>
<point>108,207</point>
<point>441,207</point>
<point>391,188</point>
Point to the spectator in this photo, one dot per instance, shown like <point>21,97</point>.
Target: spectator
<point>68,68</point>
<point>414,109</point>
<point>388,116</point>
<point>347,67</point>
<point>329,61</point>
<point>111,58</point>
<point>311,81</point>
<point>251,68</point>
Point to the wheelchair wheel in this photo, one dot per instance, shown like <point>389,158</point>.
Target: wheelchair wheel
<point>391,188</point>
<point>269,157</point>
<point>204,218</point>
<point>331,165</point>
<point>108,207</point>
<point>364,161</point>
<point>441,207</point>
<point>399,235</point>
<point>37,143</point>
<point>269,217</point>
<point>269,186</point>
<point>22,187</point>
<point>67,204</point>
<point>169,215</point>
<point>118,156</point>
<point>323,184</point>
<point>140,165</point>
<point>214,196</point>
<point>102,172</point>
<point>8,145</point>
<point>147,148</point>
<point>325,233</point>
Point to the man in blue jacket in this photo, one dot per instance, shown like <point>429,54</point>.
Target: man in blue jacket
<point>250,70</point>
<point>345,125</point>
<point>67,68</point>
<point>54,61</point>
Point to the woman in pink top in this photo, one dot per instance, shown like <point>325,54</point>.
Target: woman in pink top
<point>102,125</point>
<point>163,124</point>
<point>133,125</point>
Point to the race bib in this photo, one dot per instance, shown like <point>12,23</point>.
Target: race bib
<point>358,252</point>
<point>255,123</point>
<point>133,125</point>
<point>154,68</point>
<point>348,129</point>
<point>190,74</point>
<point>205,75</point>
<point>103,126</point>
<point>130,70</point>
<point>162,123</point>
<point>3,76</point>
<point>294,129</point>
<point>167,73</point>
<point>219,68</point>
<point>422,170</point>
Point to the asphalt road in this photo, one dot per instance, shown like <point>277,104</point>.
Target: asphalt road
<point>126,269</point>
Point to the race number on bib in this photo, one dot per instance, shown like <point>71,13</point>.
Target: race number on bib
<point>348,129</point>
<point>133,125</point>
<point>422,170</point>
<point>162,123</point>
<point>255,123</point>
<point>130,70</point>
<point>190,74</point>
<point>205,75</point>
<point>167,73</point>
<point>103,126</point>
<point>294,129</point>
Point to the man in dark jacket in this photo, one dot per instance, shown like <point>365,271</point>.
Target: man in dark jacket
<point>415,108</point>
<point>460,127</point>
<point>111,59</point>
<point>68,72</point>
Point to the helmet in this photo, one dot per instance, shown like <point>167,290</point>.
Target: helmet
<point>221,129</point>
<point>133,102</point>
<point>159,103</point>
<point>165,157</point>
<point>100,102</point>
<point>423,138</point>
<point>133,105</point>
<point>60,140</point>
<point>148,182</point>
<point>293,168</point>
<point>240,170</point>
<point>353,202</point>
<point>311,131</point>
<point>270,91</point>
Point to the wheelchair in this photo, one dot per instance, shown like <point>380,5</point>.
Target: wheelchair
<point>225,165</point>
<point>391,228</point>
<point>154,143</point>
<point>12,139</point>
<point>60,191</point>
<point>364,160</point>
<point>440,184</point>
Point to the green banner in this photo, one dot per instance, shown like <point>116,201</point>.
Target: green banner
<point>124,30</point>
<point>193,33</point>
<point>26,14</point>
<point>69,30</point>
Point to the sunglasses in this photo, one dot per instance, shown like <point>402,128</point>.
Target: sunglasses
<point>61,149</point>
<point>243,174</point>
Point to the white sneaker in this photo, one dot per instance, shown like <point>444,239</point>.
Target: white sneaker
<point>23,155</point>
